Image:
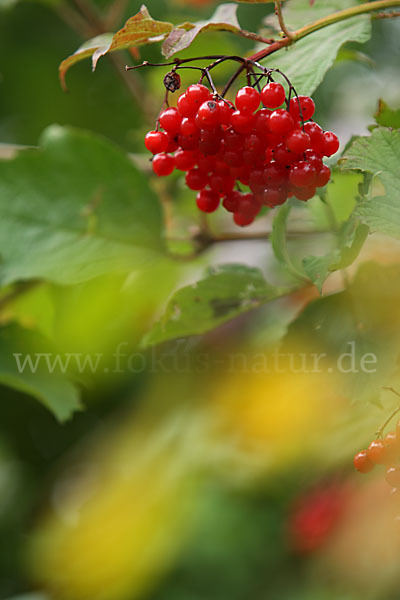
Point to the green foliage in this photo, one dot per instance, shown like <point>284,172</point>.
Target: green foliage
<point>228,291</point>
<point>386,116</point>
<point>75,209</point>
<point>378,155</point>
<point>308,60</point>
<point>51,388</point>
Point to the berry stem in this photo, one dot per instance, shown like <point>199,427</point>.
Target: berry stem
<point>279,14</point>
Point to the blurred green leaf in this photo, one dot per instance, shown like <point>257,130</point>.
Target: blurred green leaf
<point>74,209</point>
<point>51,388</point>
<point>227,292</point>
<point>386,116</point>
<point>379,155</point>
<point>308,60</point>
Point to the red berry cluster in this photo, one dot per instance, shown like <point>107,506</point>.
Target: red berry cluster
<point>383,451</point>
<point>275,152</point>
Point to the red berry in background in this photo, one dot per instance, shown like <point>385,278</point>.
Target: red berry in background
<point>377,452</point>
<point>393,476</point>
<point>283,156</point>
<point>196,179</point>
<point>392,446</point>
<point>242,220</point>
<point>156,141</point>
<point>247,99</point>
<point>306,104</point>
<point>173,143</point>
<point>304,193</point>
<point>315,516</point>
<point>221,184</point>
<point>362,463</point>
<point>233,140</point>
<point>281,122</point>
<point>274,196</point>
<point>242,122</point>
<point>163,164</point>
<point>248,205</point>
<point>170,120</point>
<point>331,143</point>
<point>301,174</point>
<point>298,141</point>
<point>315,160</point>
<point>273,95</point>
<point>233,159</point>
<point>207,201</point>
<point>323,176</point>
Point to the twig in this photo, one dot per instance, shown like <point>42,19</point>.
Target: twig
<point>279,14</point>
<point>386,15</point>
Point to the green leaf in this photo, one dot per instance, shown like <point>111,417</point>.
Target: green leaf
<point>378,155</point>
<point>351,238</point>
<point>308,60</point>
<point>33,596</point>
<point>279,242</point>
<point>229,290</point>
<point>74,209</point>
<point>52,389</point>
<point>224,19</point>
<point>138,30</point>
<point>386,116</point>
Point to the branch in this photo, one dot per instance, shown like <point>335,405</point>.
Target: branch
<point>279,14</point>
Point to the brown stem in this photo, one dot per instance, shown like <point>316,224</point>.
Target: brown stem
<point>279,14</point>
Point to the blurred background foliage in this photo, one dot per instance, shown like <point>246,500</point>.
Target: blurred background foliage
<point>192,478</point>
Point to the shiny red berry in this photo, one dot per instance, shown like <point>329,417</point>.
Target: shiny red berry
<point>156,141</point>
<point>196,179</point>
<point>331,143</point>
<point>302,174</point>
<point>170,120</point>
<point>242,220</point>
<point>163,164</point>
<point>302,107</point>
<point>298,141</point>
<point>207,201</point>
<point>323,176</point>
<point>247,99</point>
<point>281,122</point>
<point>377,452</point>
<point>273,95</point>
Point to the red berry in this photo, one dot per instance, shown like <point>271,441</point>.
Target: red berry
<point>189,142</point>
<point>331,143</point>
<point>233,159</point>
<point>273,95</point>
<point>314,159</point>
<point>233,140</point>
<point>156,141</point>
<point>208,115</point>
<point>247,99</point>
<point>261,121</point>
<point>392,446</point>
<point>185,107</point>
<point>207,201</point>
<point>170,120</point>
<point>242,122</point>
<point>377,452</point>
<point>205,163</point>
<point>316,136</point>
<point>281,122</point>
<point>393,476</point>
<point>274,175</point>
<point>254,143</point>
<point>301,174</point>
<point>248,205</point>
<point>242,220</point>
<point>283,156</point>
<point>185,160</point>
<point>304,193</point>
<point>188,127</point>
<point>305,110</point>
<point>163,164</point>
<point>298,141</point>
<point>362,463</point>
<point>173,144</point>
<point>196,94</point>
<point>231,201</point>
<point>323,176</point>
<point>274,196</point>
<point>221,184</point>
<point>226,109</point>
<point>196,179</point>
